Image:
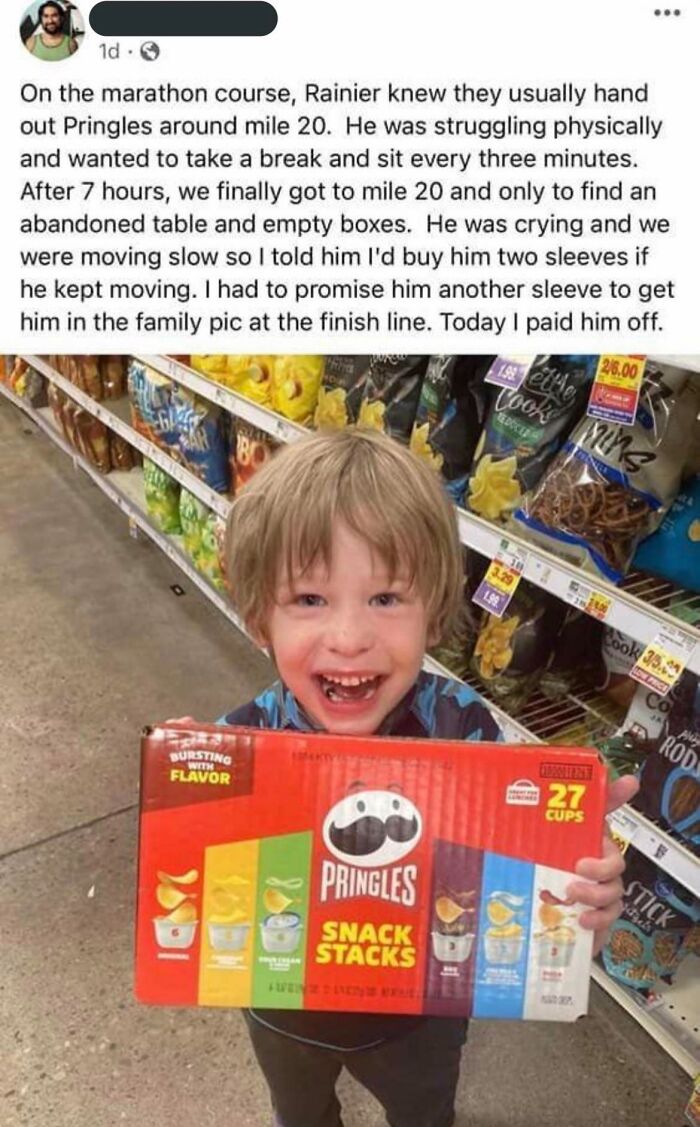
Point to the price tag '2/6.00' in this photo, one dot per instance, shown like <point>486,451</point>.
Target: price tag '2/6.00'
<point>615,392</point>
<point>501,580</point>
<point>663,661</point>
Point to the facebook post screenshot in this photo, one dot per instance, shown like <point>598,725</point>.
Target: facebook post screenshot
<point>350,691</point>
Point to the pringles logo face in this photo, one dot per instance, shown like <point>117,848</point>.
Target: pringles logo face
<point>368,832</point>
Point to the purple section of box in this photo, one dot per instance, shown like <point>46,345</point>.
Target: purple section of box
<point>451,947</point>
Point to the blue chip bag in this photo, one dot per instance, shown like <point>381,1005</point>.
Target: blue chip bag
<point>673,551</point>
<point>151,397</point>
<point>202,438</point>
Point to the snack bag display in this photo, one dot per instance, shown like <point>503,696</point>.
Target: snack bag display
<point>202,442</point>
<point>512,651</point>
<point>113,376</point>
<point>574,656</point>
<point>269,876</point>
<point>253,448</point>
<point>121,454</point>
<point>391,394</point>
<point>91,438</point>
<point>619,653</point>
<point>250,376</point>
<point>193,514</point>
<point>87,376</point>
<point>524,429</point>
<point>295,384</point>
<point>213,366</point>
<point>162,498</point>
<point>647,941</point>
<point>450,417</point>
<point>611,485</point>
<point>209,555</point>
<point>673,551</point>
<point>670,777</point>
<point>340,393</point>
<point>151,399</point>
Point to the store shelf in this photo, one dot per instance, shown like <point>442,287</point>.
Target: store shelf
<point>283,430</point>
<point>125,490</point>
<point>637,608</point>
<point>668,853</point>
<point>672,1018</point>
<point>115,414</point>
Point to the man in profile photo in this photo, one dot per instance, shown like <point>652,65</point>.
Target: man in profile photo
<point>52,43</point>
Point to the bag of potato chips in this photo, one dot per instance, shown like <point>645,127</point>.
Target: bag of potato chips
<point>202,441</point>
<point>295,385</point>
<point>391,394</point>
<point>524,429</point>
<point>192,514</point>
<point>340,394</point>
<point>250,376</point>
<point>512,651</point>
<point>450,417</point>
<point>162,498</point>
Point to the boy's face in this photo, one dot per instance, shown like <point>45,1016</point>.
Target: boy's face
<point>348,643</point>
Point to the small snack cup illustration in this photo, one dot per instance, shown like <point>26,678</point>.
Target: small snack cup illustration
<point>281,933</point>
<point>556,947</point>
<point>504,945</point>
<point>169,934</point>
<point>228,937</point>
<point>452,948</point>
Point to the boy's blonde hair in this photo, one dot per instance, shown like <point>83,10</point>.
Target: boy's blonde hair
<point>282,522</point>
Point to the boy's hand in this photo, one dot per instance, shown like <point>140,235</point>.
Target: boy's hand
<point>604,896</point>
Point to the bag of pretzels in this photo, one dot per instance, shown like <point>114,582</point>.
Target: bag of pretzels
<point>611,485</point>
<point>649,940</point>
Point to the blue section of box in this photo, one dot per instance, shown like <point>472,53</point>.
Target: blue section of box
<point>501,957</point>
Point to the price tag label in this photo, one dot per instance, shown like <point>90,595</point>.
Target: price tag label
<point>501,580</point>
<point>509,371</point>
<point>615,392</point>
<point>589,600</point>
<point>660,665</point>
<point>622,829</point>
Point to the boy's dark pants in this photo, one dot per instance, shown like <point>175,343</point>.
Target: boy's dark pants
<point>414,1077</point>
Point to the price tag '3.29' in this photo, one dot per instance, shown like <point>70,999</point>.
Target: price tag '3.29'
<point>501,580</point>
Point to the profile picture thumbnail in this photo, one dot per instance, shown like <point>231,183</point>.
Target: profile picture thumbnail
<point>52,30</point>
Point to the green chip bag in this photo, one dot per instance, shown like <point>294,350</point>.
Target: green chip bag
<point>162,498</point>
<point>209,562</point>
<point>193,514</point>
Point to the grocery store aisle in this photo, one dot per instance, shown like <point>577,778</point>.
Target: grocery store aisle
<point>95,644</point>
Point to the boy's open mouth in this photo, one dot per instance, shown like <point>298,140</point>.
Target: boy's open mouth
<point>350,688</point>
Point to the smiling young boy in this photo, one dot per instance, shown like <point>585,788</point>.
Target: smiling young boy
<point>344,562</point>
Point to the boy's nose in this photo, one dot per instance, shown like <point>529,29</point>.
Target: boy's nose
<point>349,635</point>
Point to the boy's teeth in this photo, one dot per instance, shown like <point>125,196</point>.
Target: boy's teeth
<point>348,688</point>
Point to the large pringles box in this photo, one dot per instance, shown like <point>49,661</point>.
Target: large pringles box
<point>309,871</point>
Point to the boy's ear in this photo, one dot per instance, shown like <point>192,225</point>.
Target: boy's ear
<point>434,636</point>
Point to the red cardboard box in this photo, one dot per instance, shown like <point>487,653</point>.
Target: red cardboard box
<point>310,871</point>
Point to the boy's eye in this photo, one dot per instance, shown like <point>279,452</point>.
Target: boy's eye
<point>386,599</point>
<point>308,600</point>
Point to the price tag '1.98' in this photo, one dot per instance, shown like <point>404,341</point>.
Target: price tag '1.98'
<point>509,371</point>
<point>615,392</point>
<point>664,659</point>
<point>501,580</point>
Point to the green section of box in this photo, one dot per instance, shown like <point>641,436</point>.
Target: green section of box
<point>284,868</point>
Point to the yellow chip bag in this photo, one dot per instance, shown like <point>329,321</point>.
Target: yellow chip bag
<point>251,376</point>
<point>295,385</point>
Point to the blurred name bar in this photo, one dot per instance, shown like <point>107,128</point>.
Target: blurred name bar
<point>163,18</point>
